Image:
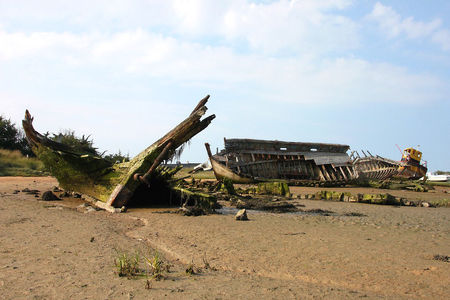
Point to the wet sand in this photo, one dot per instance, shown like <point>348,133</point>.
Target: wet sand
<point>57,250</point>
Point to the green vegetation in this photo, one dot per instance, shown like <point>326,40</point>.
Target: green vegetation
<point>437,183</point>
<point>14,163</point>
<point>155,266</point>
<point>127,265</point>
<point>18,159</point>
<point>12,138</point>
<point>86,146</point>
<point>130,265</point>
<point>440,202</point>
<point>385,199</point>
<point>199,175</point>
<point>227,186</point>
<point>442,172</point>
<point>392,184</point>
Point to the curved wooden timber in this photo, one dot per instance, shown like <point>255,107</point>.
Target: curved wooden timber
<point>376,167</point>
<point>112,183</point>
<point>221,171</point>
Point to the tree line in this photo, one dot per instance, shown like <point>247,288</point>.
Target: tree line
<point>13,138</point>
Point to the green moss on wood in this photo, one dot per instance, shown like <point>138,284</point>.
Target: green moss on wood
<point>227,186</point>
<point>273,188</point>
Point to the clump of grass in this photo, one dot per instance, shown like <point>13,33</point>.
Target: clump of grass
<point>443,258</point>
<point>155,266</point>
<point>14,163</point>
<point>440,202</point>
<point>354,214</point>
<point>136,265</point>
<point>206,262</point>
<point>127,265</point>
<point>190,269</point>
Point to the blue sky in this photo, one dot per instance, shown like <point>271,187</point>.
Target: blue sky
<point>370,74</point>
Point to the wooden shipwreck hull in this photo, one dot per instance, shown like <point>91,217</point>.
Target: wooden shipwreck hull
<point>249,160</point>
<point>114,184</point>
<point>380,168</point>
<point>375,167</point>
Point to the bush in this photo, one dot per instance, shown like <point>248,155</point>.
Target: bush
<point>82,145</point>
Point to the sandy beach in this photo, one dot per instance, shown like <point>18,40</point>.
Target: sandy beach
<point>59,250</point>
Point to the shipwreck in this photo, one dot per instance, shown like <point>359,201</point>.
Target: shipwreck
<point>381,168</point>
<point>299,163</point>
<point>250,160</point>
<point>114,185</point>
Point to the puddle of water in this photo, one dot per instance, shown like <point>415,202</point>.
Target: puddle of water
<point>152,209</point>
<point>227,210</point>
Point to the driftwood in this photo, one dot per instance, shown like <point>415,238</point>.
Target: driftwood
<point>114,183</point>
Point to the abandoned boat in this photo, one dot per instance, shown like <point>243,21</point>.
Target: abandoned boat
<point>113,185</point>
<point>380,168</point>
<point>250,160</point>
<point>410,165</point>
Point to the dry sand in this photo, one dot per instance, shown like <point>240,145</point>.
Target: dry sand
<point>55,250</point>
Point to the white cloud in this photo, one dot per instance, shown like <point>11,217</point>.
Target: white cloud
<point>292,26</point>
<point>307,29</point>
<point>303,79</point>
<point>442,37</point>
<point>394,25</point>
<point>18,44</point>
<point>287,26</point>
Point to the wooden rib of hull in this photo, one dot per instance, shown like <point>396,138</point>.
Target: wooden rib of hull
<point>376,167</point>
<point>221,172</point>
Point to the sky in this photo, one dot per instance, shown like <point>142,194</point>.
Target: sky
<point>369,74</point>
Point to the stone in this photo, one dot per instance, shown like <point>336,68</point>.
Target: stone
<point>56,189</point>
<point>425,204</point>
<point>241,215</point>
<point>90,209</point>
<point>49,196</point>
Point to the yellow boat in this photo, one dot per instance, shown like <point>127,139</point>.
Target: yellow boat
<point>410,166</point>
